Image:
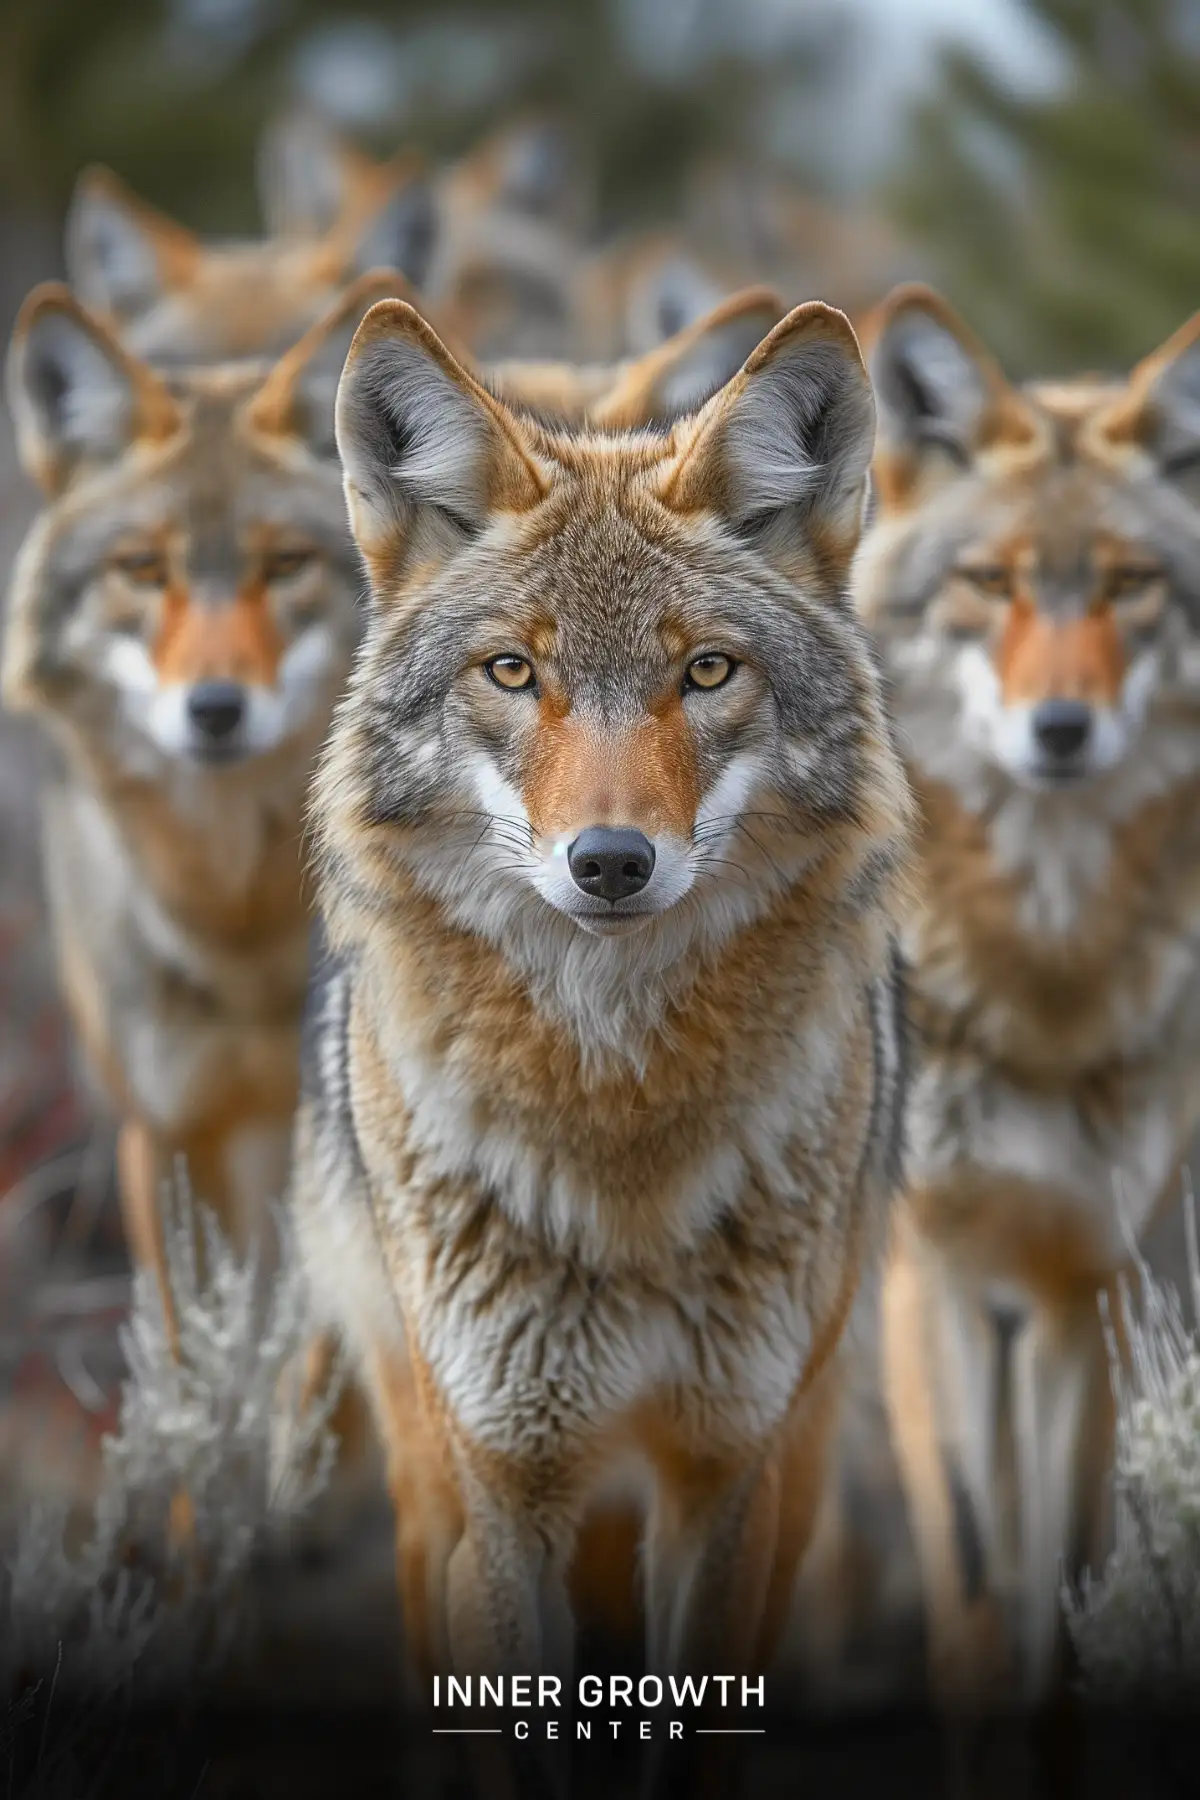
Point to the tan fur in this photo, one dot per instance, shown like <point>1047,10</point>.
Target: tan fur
<point>1084,660</point>
<point>224,301</point>
<point>641,390</point>
<point>176,890</point>
<point>578,1257</point>
<point>1052,994</point>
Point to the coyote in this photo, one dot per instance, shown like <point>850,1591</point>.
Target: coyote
<point>1032,578</point>
<point>601,1070</point>
<point>182,615</point>
<point>505,225</point>
<point>646,287</point>
<point>174,299</point>
<point>655,389</point>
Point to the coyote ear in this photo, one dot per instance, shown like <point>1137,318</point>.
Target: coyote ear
<point>541,172</point>
<point>690,367</point>
<point>675,293</point>
<point>784,449</point>
<point>401,233</point>
<point>421,439</point>
<point>75,395</point>
<point>941,396</point>
<point>121,254</point>
<point>932,380</point>
<point>300,172</point>
<point>298,397</point>
<point>1161,412</point>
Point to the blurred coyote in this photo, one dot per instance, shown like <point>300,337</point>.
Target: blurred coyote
<point>504,225</point>
<point>182,615</point>
<point>1033,577</point>
<point>172,298</point>
<point>602,1066</point>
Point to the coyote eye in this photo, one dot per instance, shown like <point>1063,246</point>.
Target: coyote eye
<point>145,568</point>
<point>509,672</point>
<point>281,565</point>
<point>1123,584</point>
<point>989,578</point>
<point>709,671</point>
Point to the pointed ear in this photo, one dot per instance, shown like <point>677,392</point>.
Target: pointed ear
<point>297,399</point>
<point>941,396</point>
<point>782,452</point>
<point>302,172</point>
<point>423,444</point>
<point>540,171</point>
<point>690,367</point>
<point>1160,412</point>
<point>399,232</point>
<point>121,254</point>
<point>75,395</point>
<point>673,293</point>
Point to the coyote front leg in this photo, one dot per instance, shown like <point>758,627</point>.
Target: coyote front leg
<point>943,1462</point>
<point>710,1562</point>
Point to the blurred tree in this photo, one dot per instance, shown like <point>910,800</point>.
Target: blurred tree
<point>173,93</point>
<point>1066,223</point>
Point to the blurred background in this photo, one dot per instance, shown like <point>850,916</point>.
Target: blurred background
<point>1039,160</point>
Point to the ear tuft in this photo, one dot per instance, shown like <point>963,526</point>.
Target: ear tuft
<point>419,436</point>
<point>1161,409</point>
<point>784,449</point>
<point>937,387</point>
<point>402,232</point>
<point>75,395</point>
<point>682,374</point>
<point>542,172</point>
<point>121,254</point>
<point>666,299</point>
<point>298,397</point>
<point>301,175</point>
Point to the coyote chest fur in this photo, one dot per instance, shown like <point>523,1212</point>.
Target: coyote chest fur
<point>602,1070</point>
<point>681,1236</point>
<point>1058,1070</point>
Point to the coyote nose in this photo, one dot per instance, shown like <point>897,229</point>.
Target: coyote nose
<point>216,707</point>
<point>1061,727</point>
<point>610,864</point>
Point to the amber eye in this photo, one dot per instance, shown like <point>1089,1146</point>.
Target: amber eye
<point>989,578</point>
<point>1123,584</point>
<point>281,565</point>
<point>509,672</point>
<point>710,671</point>
<point>145,568</point>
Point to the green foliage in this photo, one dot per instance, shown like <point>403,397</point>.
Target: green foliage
<point>1066,223</point>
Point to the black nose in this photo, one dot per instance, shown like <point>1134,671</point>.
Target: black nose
<point>1061,727</point>
<point>216,707</point>
<point>610,864</point>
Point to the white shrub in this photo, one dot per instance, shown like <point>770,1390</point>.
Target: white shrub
<point>1136,1626</point>
<point>223,1423</point>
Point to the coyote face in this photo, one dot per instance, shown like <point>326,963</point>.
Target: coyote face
<point>588,690</point>
<point>189,594</point>
<point>1035,571</point>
